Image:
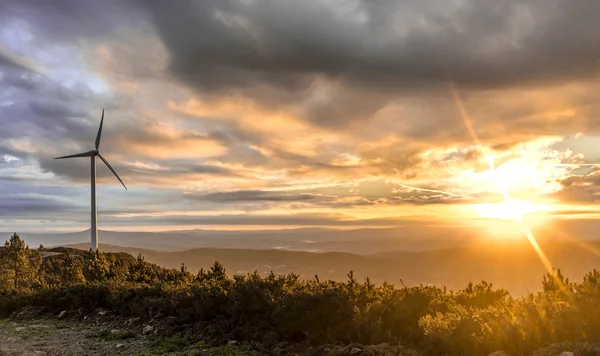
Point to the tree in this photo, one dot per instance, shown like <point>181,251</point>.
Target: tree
<point>72,270</point>
<point>480,295</point>
<point>555,281</point>
<point>98,267</point>
<point>19,264</point>
<point>5,282</point>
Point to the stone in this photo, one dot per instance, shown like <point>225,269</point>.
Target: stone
<point>498,353</point>
<point>39,326</point>
<point>355,351</point>
<point>232,342</point>
<point>567,353</point>
<point>283,345</point>
<point>147,329</point>
<point>62,314</point>
<point>133,320</point>
<point>120,346</point>
<point>102,312</point>
<point>114,331</point>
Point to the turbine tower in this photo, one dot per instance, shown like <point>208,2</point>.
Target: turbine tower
<point>92,154</point>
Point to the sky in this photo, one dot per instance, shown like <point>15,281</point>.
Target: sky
<point>256,114</point>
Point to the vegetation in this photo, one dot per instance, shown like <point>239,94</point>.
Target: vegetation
<point>171,344</point>
<point>476,320</point>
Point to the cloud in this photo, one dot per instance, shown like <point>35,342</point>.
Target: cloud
<point>57,21</point>
<point>7,57</point>
<point>398,43</point>
<point>291,107</point>
<point>24,205</point>
<point>581,189</point>
<point>344,61</point>
<point>254,195</point>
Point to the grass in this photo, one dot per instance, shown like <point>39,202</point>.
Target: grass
<point>178,343</point>
<point>228,350</point>
<point>171,344</point>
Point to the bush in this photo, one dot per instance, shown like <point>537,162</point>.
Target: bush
<point>476,320</point>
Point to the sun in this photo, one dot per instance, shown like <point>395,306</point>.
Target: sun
<point>511,209</point>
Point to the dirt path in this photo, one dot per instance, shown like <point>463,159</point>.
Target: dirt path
<point>100,333</point>
<point>53,337</point>
<point>49,337</point>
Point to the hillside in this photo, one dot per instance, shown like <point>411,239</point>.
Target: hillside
<point>281,314</point>
<point>511,265</point>
<point>330,265</point>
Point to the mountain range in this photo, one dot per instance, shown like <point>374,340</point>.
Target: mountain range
<point>440,255</point>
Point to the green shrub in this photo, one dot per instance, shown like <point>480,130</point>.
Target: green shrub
<point>476,320</point>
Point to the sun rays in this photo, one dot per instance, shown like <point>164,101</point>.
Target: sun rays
<point>510,208</point>
<point>518,216</point>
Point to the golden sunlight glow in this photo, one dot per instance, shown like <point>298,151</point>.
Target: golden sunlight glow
<point>510,209</point>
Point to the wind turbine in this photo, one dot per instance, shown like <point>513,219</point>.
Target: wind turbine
<point>92,154</point>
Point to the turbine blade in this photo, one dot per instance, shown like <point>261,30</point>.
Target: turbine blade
<point>99,132</point>
<point>84,154</point>
<point>112,170</point>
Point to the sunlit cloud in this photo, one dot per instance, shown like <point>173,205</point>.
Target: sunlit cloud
<point>279,118</point>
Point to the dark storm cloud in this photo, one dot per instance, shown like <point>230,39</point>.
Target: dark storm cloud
<point>233,43</point>
<point>273,51</point>
<point>372,52</point>
<point>27,206</point>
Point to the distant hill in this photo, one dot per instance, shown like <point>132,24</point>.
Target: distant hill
<point>412,236</point>
<point>439,254</point>
<point>511,265</point>
<point>328,265</point>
